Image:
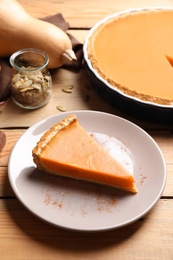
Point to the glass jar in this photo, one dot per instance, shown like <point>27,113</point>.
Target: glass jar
<point>31,83</point>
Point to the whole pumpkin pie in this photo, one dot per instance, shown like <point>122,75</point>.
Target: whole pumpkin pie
<point>133,52</point>
<point>67,150</point>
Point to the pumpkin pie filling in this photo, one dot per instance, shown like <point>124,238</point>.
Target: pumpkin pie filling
<point>67,150</point>
<point>134,53</point>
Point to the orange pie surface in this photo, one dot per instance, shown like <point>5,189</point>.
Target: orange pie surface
<point>66,149</point>
<point>134,53</point>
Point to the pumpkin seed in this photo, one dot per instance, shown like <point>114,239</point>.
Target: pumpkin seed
<point>67,89</point>
<point>26,89</point>
<point>61,108</point>
<point>31,87</point>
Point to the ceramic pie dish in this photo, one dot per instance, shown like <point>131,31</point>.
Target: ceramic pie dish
<point>128,58</point>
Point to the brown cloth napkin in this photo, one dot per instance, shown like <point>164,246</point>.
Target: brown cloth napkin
<point>6,70</point>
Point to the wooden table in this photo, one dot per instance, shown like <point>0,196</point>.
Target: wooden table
<point>22,235</point>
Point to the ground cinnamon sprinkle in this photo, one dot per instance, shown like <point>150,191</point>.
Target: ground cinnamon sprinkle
<point>100,200</point>
<point>112,201</point>
<point>106,204</point>
<point>56,203</point>
<point>142,179</point>
<point>47,199</point>
<point>92,135</point>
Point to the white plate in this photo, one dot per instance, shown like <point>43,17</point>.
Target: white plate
<point>82,206</point>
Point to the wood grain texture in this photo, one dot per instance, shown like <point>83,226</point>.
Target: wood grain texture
<point>84,14</point>
<point>83,97</point>
<point>6,190</point>
<point>27,236</point>
<point>164,139</point>
<point>24,236</point>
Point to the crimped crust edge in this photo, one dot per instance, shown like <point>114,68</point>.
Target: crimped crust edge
<point>49,135</point>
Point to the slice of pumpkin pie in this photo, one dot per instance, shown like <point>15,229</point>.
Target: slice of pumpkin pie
<point>67,150</point>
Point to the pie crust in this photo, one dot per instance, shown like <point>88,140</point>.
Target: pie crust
<point>133,52</point>
<point>67,150</point>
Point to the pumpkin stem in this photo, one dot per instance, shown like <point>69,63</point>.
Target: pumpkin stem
<point>69,56</point>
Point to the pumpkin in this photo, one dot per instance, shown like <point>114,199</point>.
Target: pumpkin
<point>19,30</point>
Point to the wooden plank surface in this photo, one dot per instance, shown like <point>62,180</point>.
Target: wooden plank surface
<point>85,14</point>
<point>83,97</point>
<point>6,190</point>
<point>148,238</point>
<point>24,236</point>
<point>164,139</point>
